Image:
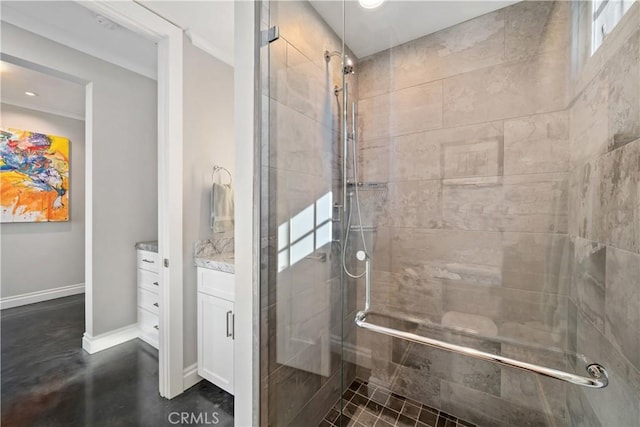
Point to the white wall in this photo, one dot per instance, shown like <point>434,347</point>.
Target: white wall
<point>47,255</point>
<point>208,140</point>
<point>247,243</point>
<point>122,171</point>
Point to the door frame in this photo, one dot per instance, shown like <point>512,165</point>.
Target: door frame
<point>169,40</point>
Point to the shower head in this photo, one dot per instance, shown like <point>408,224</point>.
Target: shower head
<point>349,66</point>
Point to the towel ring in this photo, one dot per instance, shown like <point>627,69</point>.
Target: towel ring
<point>217,169</point>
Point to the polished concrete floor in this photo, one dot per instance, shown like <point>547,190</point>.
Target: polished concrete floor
<point>48,380</point>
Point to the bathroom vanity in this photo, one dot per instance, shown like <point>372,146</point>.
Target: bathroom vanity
<point>148,266</point>
<point>215,313</point>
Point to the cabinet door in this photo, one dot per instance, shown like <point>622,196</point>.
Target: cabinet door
<point>215,341</point>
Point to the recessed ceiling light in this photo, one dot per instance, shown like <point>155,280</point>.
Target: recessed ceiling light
<point>370,4</point>
<point>31,93</point>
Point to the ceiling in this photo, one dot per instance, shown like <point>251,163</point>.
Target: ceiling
<point>70,24</point>
<point>209,24</point>
<point>55,95</point>
<point>395,22</point>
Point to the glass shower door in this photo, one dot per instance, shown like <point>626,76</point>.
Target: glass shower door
<point>301,286</point>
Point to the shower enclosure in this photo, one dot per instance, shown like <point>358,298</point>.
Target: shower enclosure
<point>450,213</point>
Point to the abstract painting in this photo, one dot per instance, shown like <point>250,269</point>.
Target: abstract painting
<point>34,176</point>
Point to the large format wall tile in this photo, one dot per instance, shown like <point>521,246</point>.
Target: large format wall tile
<point>618,219</point>
<point>606,114</point>
<point>471,45</point>
<point>534,203</point>
<point>374,75</point>
<point>374,118</point>
<point>622,300</point>
<point>619,403</point>
<point>474,150</point>
<point>537,27</point>
<point>374,164</point>
<point>415,156</point>
<point>623,74</point>
<point>531,390</point>
<point>411,110</point>
<point>310,88</point>
<point>416,109</point>
<point>452,255</point>
<point>473,373</point>
<point>414,204</point>
<point>299,143</point>
<point>537,262</point>
<point>537,144</point>
<point>588,287</point>
<point>301,25</point>
<point>476,299</point>
<point>530,86</point>
<point>605,198</point>
<point>590,122</point>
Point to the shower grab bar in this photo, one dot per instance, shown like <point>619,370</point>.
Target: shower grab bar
<point>598,374</point>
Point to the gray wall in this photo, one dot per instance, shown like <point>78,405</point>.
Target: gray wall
<point>124,163</point>
<point>57,247</point>
<point>208,141</point>
<point>604,219</point>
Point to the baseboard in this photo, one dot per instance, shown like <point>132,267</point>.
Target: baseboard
<point>39,296</point>
<point>191,376</point>
<point>104,341</point>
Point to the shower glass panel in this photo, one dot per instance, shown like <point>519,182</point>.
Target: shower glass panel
<point>301,277</point>
<point>458,174</point>
<point>497,213</point>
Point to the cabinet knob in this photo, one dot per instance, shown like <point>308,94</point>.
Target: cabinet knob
<point>155,304</point>
<point>148,260</point>
<point>156,283</point>
<point>156,327</point>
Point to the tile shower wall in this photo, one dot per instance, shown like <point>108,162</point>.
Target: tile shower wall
<point>604,219</point>
<point>301,293</point>
<point>471,129</point>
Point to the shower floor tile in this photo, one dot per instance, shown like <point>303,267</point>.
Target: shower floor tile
<point>366,405</point>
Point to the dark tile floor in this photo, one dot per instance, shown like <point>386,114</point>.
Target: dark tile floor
<point>48,380</point>
<point>366,405</point>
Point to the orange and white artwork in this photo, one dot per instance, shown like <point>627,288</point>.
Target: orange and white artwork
<point>34,176</point>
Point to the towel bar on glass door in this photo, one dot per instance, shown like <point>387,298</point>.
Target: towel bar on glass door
<point>598,377</point>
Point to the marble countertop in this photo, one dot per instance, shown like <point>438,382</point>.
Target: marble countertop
<point>215,254</point>
<point>151,246</point>
<point>221,262</point>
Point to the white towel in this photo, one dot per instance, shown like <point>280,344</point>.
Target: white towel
<point>221,208</point>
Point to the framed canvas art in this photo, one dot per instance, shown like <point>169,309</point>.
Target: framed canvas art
<point>34,176</point>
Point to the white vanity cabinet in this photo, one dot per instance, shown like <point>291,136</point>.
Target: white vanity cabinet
<point>148,296</point>
<point>216,327</point>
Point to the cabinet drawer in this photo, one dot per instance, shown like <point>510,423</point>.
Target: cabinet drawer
<point>216,283</point>
<point>149,327</point>
<point>148,261</point>
<point>149,280</point>
<point>148,300</point>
